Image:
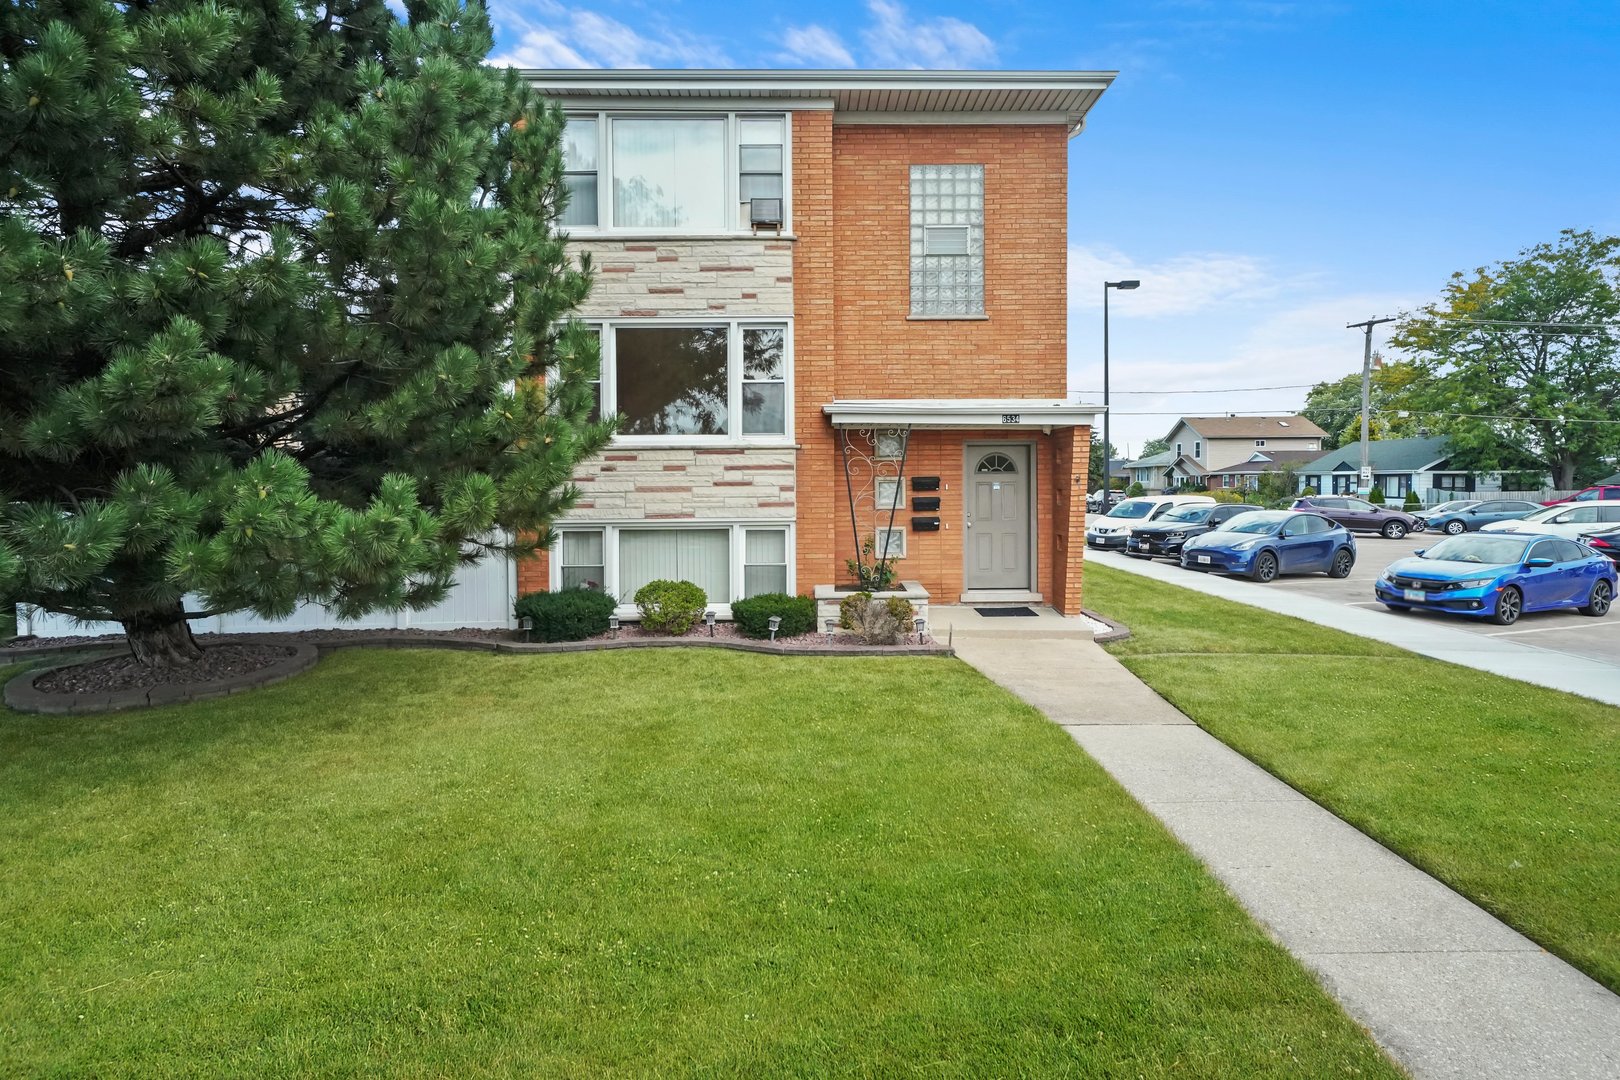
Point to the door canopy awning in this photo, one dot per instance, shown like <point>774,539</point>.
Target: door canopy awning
<point>962,413</point>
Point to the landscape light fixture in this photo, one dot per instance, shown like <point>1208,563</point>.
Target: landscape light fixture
<point>526,624</point>
<point>1108,456</point>
<point>776,624</point>
<point>921,627</point>
<point>832,629</point>
<point>613,625</point>
<point>708,620</point>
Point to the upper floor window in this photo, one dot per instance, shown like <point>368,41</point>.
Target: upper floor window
<point>696,380</point>
<point>1259,442</point>
<point>947,240</point>
<point>672,174</point>
<point>1198,450</point>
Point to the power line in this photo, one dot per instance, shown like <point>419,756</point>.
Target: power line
<point>1229,390</point>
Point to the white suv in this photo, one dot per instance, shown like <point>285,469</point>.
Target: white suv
<point>1114,528</point>
<point>1569,520</point>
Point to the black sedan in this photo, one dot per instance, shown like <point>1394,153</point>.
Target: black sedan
<point>1167,535</point>
<point>1604,543</point>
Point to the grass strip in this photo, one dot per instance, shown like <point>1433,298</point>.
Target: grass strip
<point>1503,790</point>
<point>418,863</point>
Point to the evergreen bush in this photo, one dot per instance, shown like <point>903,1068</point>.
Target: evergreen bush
<point>753,615</point>
<point>670,607</point>
<point>568,615</point>
<point>1376,496</point>
<point>1135,490</point>
<point>1412,504</point>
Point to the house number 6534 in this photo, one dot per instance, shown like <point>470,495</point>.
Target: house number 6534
<point>1012,418</point>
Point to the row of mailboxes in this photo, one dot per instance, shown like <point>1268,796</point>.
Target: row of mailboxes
<point>924,502</point>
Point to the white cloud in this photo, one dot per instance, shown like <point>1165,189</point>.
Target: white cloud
<point>1179,285</point>
<point>893,39</point>
<point>811,46</point>
<point>567,37</point>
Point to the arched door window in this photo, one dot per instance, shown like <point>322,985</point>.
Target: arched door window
<point>996,463</point>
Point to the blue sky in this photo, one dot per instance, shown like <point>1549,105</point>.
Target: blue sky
<point>1269,170</point>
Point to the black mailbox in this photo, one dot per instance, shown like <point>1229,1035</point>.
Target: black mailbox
<point>925,483</point>
<point>925,524</point>
<point>925,503</point>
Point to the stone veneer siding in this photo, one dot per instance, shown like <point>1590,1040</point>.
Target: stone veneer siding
<point>722,484</point>
<point>743,277</point>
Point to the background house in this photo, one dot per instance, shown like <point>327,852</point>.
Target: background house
<point>1226,451</point>
<point>1245,475</point>
<point>1400,465</point>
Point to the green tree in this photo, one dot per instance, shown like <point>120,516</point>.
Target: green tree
<point>281,310</point>
<point>1523,358</point>
<point>1277,486</point>
<point>1094,475</point>
<point>1155,446</point>
<point>1335,406</point>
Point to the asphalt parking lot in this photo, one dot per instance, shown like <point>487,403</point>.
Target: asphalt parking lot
<point>1559,631</point>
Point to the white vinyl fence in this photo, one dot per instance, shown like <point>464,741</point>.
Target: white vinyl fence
<point>481,598</point>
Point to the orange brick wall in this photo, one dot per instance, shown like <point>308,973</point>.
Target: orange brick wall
<point>852,296</point>
<point>1073,454</point>
<point>821,496</point>
<point>1020,349</point>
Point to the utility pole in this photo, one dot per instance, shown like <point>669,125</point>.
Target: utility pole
<point>1365,481</point>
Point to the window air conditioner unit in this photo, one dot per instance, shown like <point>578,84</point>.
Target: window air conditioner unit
<point>765,214</point>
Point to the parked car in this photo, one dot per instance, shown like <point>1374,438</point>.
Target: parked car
<point>1265,543</point>
<point>1166,535</point>
<point>1470,515</point>
<point>1604,543</point>
<point>1499,577</point>
<point>1114,528</point>
<point>1595,493</point>
<point>1359,515</point>
<point>1562,519</point>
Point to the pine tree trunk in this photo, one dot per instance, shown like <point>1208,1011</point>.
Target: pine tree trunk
<point>161,638</point>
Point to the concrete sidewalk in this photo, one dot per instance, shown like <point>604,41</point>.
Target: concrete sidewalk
<point>1559,671</point>
<point>1446,988</point>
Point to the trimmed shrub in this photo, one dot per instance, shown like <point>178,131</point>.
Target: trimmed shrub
<point>904,615</point>
<point>1308,492</point>
<point>1412,504</point>
<point>753,615</point>
<point>670,607</point>
<point>1135,490</point>
<point>569,615</point>
<point>850,606</point>
<point>1228,495</point>
<point>1376,495</point>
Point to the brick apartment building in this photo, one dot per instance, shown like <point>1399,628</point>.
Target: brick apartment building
<point>832,309</point>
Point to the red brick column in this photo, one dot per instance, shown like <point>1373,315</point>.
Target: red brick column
<point>820,483</point>
<point>1073,461</point>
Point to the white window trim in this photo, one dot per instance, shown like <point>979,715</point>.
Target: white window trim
<point>1259,442</point>
<point>608,374</point>
<point>604,228</point>
<point>610,554</point>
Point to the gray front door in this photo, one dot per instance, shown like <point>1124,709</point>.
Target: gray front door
<point>997,518</point>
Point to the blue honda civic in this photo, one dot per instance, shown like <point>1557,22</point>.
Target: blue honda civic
<point>1265,543</point>
<point>1500,576</point>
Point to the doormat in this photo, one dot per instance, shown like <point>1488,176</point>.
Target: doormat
<point>1005,612</point>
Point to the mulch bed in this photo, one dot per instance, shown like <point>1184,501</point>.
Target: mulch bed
<point>118,673</point>
<point>729,632</point>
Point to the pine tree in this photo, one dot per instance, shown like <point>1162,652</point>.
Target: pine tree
<point>283,312</point>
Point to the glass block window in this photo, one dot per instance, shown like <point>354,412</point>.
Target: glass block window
<point>765,554</point>
<point>947,240</point>
<point>889,494</point>
<point>890,543</point>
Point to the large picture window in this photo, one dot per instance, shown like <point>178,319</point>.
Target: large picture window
<point>672,174</point>
<point>701,556</point>
<point>702,381</point>
<point>672,380</point>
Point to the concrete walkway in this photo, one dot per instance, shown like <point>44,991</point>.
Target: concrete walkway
<point>1446,988</point>
<point>1560,671</point>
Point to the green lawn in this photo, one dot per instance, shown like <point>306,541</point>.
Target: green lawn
<point>417,863</point>
<point>1507,792</point>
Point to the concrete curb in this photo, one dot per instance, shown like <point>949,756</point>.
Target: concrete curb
<point>1117,631</point>
<point>22,695</point>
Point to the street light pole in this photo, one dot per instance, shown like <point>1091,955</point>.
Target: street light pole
<point>1108,457</point>
<point>1365,476</point>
